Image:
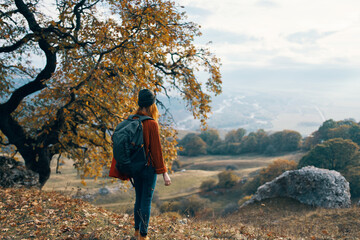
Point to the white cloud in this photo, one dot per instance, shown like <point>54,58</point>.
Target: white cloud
<point>309,37</point>
<point>259,31</point>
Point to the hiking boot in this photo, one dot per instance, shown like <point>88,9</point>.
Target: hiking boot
<point>144,238</point>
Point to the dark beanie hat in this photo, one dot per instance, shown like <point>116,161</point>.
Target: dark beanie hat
<point>146,98</point>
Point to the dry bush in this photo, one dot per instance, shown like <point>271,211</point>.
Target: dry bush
<point>227,179</point>
<point>269,173</point>
<point>208,185</point>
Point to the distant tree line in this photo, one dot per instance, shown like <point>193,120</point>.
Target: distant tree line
<point>330,129</point>
<point>237,142</point>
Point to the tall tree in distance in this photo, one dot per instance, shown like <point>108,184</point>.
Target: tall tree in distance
<point>96,55</point>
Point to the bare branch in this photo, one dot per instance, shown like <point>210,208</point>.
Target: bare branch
<point>77,13</point>
<point>167,110</point>
<point>18,44</point>
<point>19,69</point>
<point>7,14</point>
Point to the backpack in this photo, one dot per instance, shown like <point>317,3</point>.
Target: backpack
<point>128,146</point>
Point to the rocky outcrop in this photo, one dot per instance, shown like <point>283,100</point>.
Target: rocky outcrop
<point>309,185</point>
<point>14,174</point>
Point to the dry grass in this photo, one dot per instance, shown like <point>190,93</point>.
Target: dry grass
<point>287,217</point>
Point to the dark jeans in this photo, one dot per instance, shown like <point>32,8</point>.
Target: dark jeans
<point>144,189</point>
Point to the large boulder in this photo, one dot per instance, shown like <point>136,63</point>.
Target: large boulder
<point>308,185</point>
<point>14,174</point>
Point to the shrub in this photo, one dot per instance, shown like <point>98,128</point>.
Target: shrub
<point>251,186</point>
<point>275,169</point>
<point>230,167</point>
<point>268,174</point>
<point>192,205</point>
<point>208,185</point>
<point>192,145</point>
<point>227,179</point>
<point>210,136</point>
<point>176,165</point>
<point>353,177</point>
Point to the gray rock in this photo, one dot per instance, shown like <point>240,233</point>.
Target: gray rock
<point>14,174</point>
<point>104,191</point>
<point>309,185</point>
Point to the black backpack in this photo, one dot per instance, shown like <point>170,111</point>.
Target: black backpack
<point>128,146</point>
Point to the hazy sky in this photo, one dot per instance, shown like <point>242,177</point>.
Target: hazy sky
<point>282,40</point>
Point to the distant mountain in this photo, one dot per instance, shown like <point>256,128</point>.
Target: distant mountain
<point>253,111</point>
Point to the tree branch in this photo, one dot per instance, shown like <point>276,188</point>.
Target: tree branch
<point>18,44</point>
<point>19,69</point>
<point>7,14</point>
<point>29,16</point>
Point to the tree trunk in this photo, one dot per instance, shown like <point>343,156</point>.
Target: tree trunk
<point>36,158</point>
<point>39,162</point>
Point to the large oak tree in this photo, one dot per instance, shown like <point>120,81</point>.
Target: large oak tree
<point>70,71</point>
